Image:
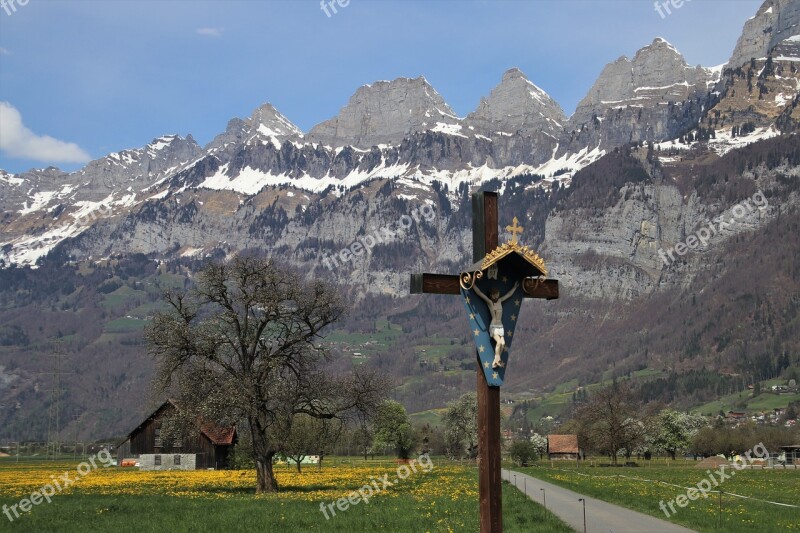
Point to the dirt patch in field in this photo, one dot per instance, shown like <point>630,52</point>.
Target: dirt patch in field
<point>711,462</point>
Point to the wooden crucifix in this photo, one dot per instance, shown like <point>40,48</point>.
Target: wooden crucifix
<point>503,265</point>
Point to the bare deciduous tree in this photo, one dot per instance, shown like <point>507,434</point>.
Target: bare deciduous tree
<point>311,436</point>
<point>609,420</point>
<point>244,346</point>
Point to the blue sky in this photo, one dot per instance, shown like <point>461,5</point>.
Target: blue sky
<point>80,79</point>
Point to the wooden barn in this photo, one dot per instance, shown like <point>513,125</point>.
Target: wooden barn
<point>563,447</point>
<point>212,444</point>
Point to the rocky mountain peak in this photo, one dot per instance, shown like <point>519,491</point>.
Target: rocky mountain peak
<point>659,44</point>
<point>266,123</point>
<point>166,141</point>
<point>654,54</point>
<point>657,73</point>
<point>385,112</point>
<point>517,104</point>
<point>775,21</point>
<point>512,74</point>
<point>138,167</point>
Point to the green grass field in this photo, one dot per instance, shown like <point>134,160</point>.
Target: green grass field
<point>766,401</point>
<point>124,325</point>
<point>636,488</point>
<point>559,400</point>
<point>121,297</point>
<point>443,499</point>
<point>432,417</point>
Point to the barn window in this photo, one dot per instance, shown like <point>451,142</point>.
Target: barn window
<point>177,460</point>
<point>157,433</point>
<point>158,460</point>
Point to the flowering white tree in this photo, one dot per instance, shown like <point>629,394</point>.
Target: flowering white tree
<point>461,426</point>
<point>671,431</point>
<point>540,443</point>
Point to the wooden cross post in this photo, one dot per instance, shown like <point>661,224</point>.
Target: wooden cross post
<point>485,222</point>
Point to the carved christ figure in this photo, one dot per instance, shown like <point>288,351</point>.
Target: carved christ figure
<point>495,304</point>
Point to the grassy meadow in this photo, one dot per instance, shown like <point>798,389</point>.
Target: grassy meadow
<point>642,489</point>
<point>443,499</point>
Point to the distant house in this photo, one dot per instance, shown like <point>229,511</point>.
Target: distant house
<point>563,447</point>
<point>792,454</point>
<point>211,445</point>
<point>735,417</point>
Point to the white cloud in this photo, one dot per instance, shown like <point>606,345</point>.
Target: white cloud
<point>210,32</point>
<point>18,141</point>
<point>4,51</point>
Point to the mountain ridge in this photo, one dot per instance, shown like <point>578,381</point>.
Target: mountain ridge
<point>516,130</point>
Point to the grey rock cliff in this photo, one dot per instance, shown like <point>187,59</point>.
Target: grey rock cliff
<point>655,96</point>
<point>385,112</point>
<point>775,21</point>
<point>657,74</point>
<point>517,105</point>
<point>136,169</point>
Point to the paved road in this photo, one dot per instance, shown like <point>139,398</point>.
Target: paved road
<point>601,517</point>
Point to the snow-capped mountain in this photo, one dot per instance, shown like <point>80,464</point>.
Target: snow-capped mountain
<point>264,182</point>
<point>44,207</point>
<point>265,125</point>
<point>656,75</point>
<point>654,96</point>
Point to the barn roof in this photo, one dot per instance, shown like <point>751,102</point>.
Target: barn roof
<point>152,415</point>
<point>562,444</point>
<point>218,435</point>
